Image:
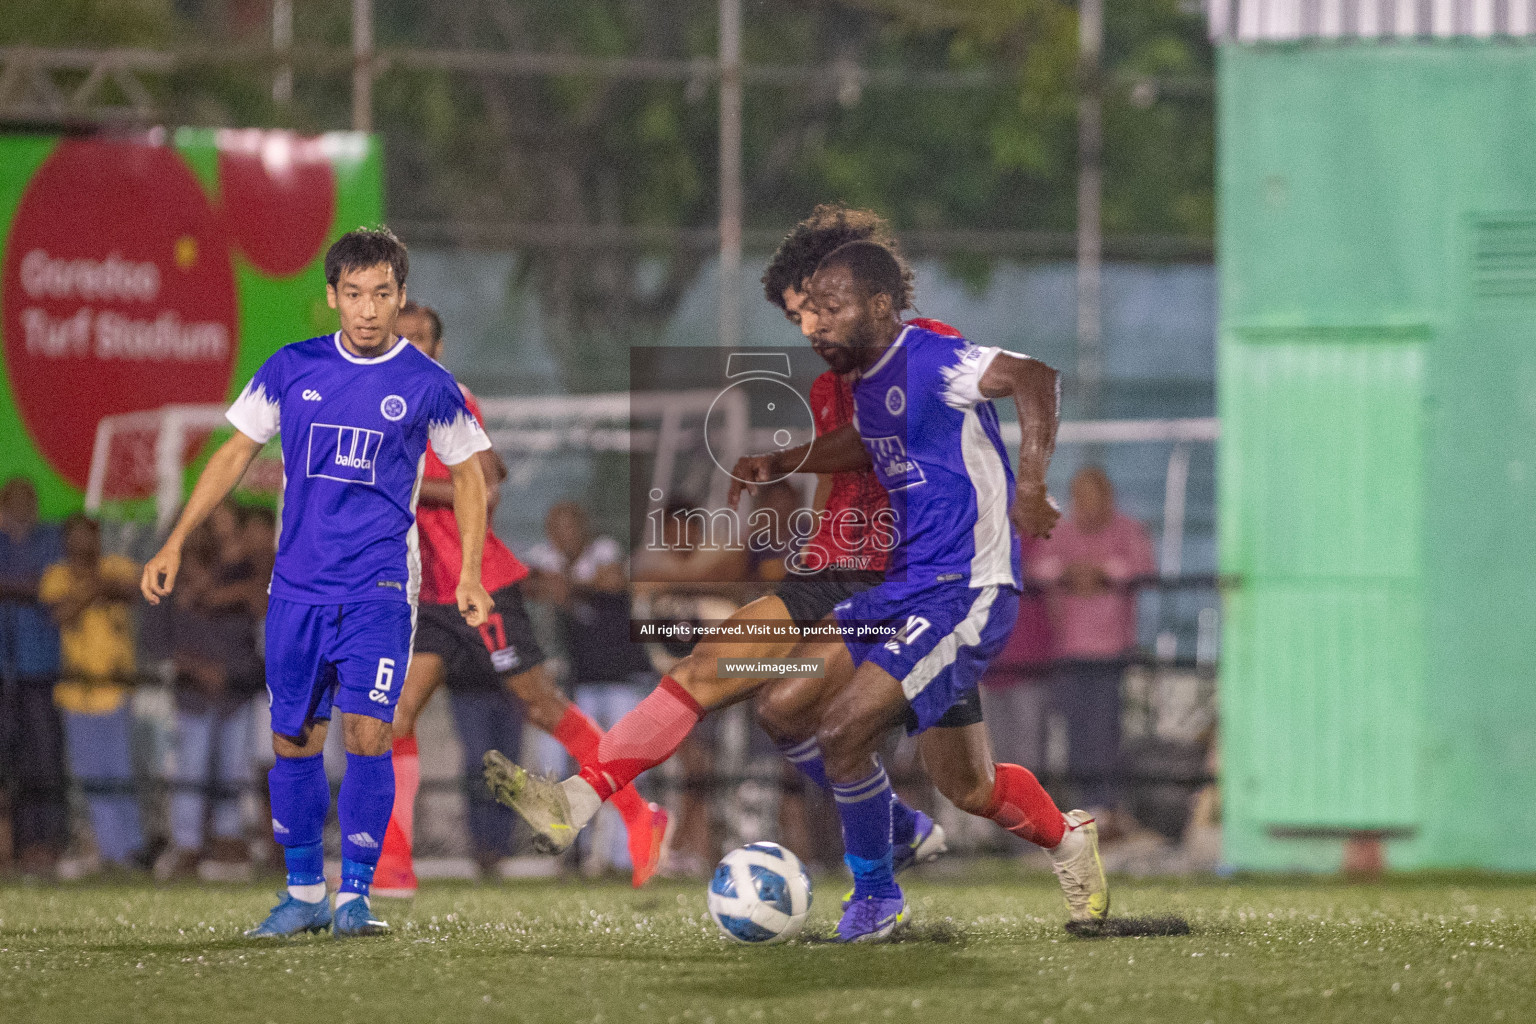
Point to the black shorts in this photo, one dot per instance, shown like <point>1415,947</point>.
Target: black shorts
<point>812,598</point>
<point>478,658</point>
<point>963,712</point>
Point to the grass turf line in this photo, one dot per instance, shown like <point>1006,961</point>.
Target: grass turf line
<point>981,950</point>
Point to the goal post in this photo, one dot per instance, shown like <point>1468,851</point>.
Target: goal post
<point>141,459</point>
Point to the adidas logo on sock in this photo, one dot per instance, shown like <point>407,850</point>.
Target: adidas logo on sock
<point>278,828</point>
<point>364,840</point>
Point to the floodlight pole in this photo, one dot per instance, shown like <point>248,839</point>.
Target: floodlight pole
<point>362,65</point>
<point>730,173</point>
<point>282,42</point>
<point>1090,185</point>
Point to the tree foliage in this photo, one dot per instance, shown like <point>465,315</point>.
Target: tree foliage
<point>482,147</point>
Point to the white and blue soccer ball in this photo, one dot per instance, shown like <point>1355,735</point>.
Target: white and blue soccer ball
<point>760,894</point>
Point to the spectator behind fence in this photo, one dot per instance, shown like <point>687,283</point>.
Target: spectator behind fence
<point>208,630</point>
<point>1088,566</point>
<point>89,595</point>
<point>31,732</point>
<point>583,577</point>
<point>1014,694</point>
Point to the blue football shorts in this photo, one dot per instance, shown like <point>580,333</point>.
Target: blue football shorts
<point>353,656</point>
<point>936,639</point>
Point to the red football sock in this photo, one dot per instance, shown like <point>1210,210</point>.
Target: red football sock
<point>643,738</point>
<point>1022,806</point>
<point>580,736</point>
<point>397,837</point>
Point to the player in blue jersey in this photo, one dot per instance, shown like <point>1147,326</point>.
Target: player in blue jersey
<point>922,404</point>
<point>925,420</point>
<point>355,410</point>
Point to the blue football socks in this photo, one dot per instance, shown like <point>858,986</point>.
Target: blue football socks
<point>806,756</point>
<point>300,798</point>
<point>865,809</point>
<point>367,796</point>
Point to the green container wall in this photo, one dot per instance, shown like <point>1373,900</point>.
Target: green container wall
<point>1377,251</point>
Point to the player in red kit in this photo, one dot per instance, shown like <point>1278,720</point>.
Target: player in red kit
<point>845,556</point>
<point>504,651</point>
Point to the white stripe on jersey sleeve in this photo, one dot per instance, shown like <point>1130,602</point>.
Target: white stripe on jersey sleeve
<point>255,413</point>
<point>962,381</point>
<point>992,536</point>
<point>457,439</point>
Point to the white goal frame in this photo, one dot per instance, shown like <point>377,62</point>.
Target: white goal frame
<point>650,422</point>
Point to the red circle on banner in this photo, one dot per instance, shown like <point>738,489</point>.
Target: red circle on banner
<point>118,295</point>
<point>279,197</point>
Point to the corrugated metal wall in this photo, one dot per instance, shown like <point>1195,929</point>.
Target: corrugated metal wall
<point>1322,473</point>
<point>1378,485</point>
<point>1254,21</point>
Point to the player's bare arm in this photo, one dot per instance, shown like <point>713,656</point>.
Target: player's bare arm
<point>223,472</point>
<point>440,492</point>
<point>837,451</point>
<point>470,511</point>
<point>1036,391</point>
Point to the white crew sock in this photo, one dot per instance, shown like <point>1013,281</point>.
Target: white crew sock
<point>582,799</point>
<point>308,893</point>
<point>343,898</point>
<point>1071,844</point>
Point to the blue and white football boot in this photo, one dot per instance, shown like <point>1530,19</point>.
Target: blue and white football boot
<point>927,844</point>
<point>355,918</point>
<point>293,916</point>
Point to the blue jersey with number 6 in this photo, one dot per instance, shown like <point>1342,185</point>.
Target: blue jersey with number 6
<point>354,433</point>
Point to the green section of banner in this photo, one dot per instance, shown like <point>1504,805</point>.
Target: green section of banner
<point>20,157</point>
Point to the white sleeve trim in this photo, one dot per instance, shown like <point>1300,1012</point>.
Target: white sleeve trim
<point>255,413</point>
<point>962,381</point>
<point>457,439</point>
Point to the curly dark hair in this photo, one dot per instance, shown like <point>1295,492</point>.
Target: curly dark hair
<point>829,226</point>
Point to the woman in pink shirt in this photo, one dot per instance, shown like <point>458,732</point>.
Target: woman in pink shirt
<point>1088,567</point>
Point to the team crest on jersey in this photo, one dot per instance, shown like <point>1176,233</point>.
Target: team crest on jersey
<point>895,400</point>
<point>348,454</point>
<point>896,471</point>
<point>392,408</point>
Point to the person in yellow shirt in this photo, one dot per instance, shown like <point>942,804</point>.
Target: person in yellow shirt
<point>88,595</point>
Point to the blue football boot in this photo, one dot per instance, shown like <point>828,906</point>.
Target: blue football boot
<point>927,844</point>
<point>293,916</point>
<point>355,918</point>
<point>870,919</point>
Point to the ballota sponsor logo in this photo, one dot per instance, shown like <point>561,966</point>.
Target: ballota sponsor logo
<point>119,275</point>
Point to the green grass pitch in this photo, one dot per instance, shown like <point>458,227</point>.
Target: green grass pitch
<point>988,946</point>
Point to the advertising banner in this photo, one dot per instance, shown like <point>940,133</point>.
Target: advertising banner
<point>153,271</point>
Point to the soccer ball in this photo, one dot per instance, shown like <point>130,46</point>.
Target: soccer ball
<point>760,894</point>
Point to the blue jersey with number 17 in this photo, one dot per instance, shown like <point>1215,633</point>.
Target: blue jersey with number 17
<point>937,450</point>
<point>354,437</point>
